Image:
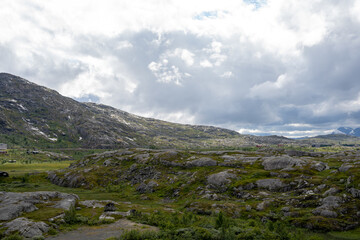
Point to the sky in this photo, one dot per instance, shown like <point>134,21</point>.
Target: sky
<point>284,67</point>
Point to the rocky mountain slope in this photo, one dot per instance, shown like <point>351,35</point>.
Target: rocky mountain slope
<point>35,115</point>
<point>315,190</point>
<point>349,131</point>
<point>32,115</point>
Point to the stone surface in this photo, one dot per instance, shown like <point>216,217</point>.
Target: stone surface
<point>345,167</point>
<point>319,166</point>
<point>220,180</point>
<point>13,204</point>
<point>271,184</point>
<point>26,227</point>
<point>201,162</point>
<point>281,162</point>
<point>147,187</point>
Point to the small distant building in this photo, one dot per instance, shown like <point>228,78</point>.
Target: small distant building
<point>3,146</point>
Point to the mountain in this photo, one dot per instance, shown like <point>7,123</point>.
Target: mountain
<point>349,131</point>
<point>32,115</point>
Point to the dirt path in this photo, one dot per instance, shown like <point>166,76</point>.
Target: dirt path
<point>102,232</point>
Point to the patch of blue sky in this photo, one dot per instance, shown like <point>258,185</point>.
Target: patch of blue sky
<point>256,3</point>
<point>207,14</point>
<point>210,15</point>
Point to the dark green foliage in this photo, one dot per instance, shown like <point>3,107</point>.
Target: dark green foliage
<point>13,237</point>
<point>138,235</point>
<point>191,226</point>
<point>70,216</point>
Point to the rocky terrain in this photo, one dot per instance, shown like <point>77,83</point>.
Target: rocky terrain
<point>13,205</point>
<point>315,190</point>
<point>51,206</point>
<point>32,115</point>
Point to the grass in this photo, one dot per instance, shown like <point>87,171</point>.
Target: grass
<point>154,211</point>
<point>20,169</point>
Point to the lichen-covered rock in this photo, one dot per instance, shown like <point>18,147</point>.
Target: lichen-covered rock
<point>147,188</point>
<point>282,162</point>
<point>345,167</point>
<point>26,227</point>
<point>325,213</point>
<point>220,180</point>
<point>331,191</point>
<point>272,184</point>
<point>319,166</point>
<point>95,203</point>
<point>354,192</point>
<point>70,179</point>
<point>201,162</point>
<point>13,204</point>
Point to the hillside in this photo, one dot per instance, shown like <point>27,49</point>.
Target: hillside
<point>32,115</point>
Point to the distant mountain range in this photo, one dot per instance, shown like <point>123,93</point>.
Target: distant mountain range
<point>348,131</point>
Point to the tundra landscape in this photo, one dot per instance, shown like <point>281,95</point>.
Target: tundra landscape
<point>72,166</point>
<point>179,120</point>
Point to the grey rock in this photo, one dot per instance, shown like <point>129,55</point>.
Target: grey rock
<point>326,213</point>
<point>13,210</point>
<point>331,202</point>
<point>170,164</point>
<point>201,162</point>
<point>263,205</point>
<point>345,167</point>
<point>281,162</point>
<point>319,166</point>
<point>13,205</point>
<point>354,192</point>
<point>95,203</point>
<point>167,155</point>
<point>147,188</point>
<point>142,158</point>
<point>331,191</point>
<point>26,227</point>
<point>319,188</point>
<point>271,184</point>
<point>70,179</point>
<point>220,180</point>
<point>285,209</point>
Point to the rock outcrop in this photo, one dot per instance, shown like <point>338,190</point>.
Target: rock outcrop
<point>26,227</point>
<point>12,204</point>
<point>282,162</point>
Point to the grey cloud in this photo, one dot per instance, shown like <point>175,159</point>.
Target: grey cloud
<point>327,72</point>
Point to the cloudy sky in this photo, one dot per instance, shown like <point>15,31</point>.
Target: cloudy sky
<point>285,67</point>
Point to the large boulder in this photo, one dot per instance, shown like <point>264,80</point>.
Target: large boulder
<point>271,184</point>
<point>201,162</point>
<point>319,166</point>
<point>220,180</point>
<point>12,204</point>
<point>26,227</point>
<point>282,162</point>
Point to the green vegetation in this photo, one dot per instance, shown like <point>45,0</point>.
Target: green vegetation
<point>177,204</point>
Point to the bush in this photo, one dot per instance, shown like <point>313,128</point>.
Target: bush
<point>13,237</point>
<point>70,216</point>
<point>138,235</point>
